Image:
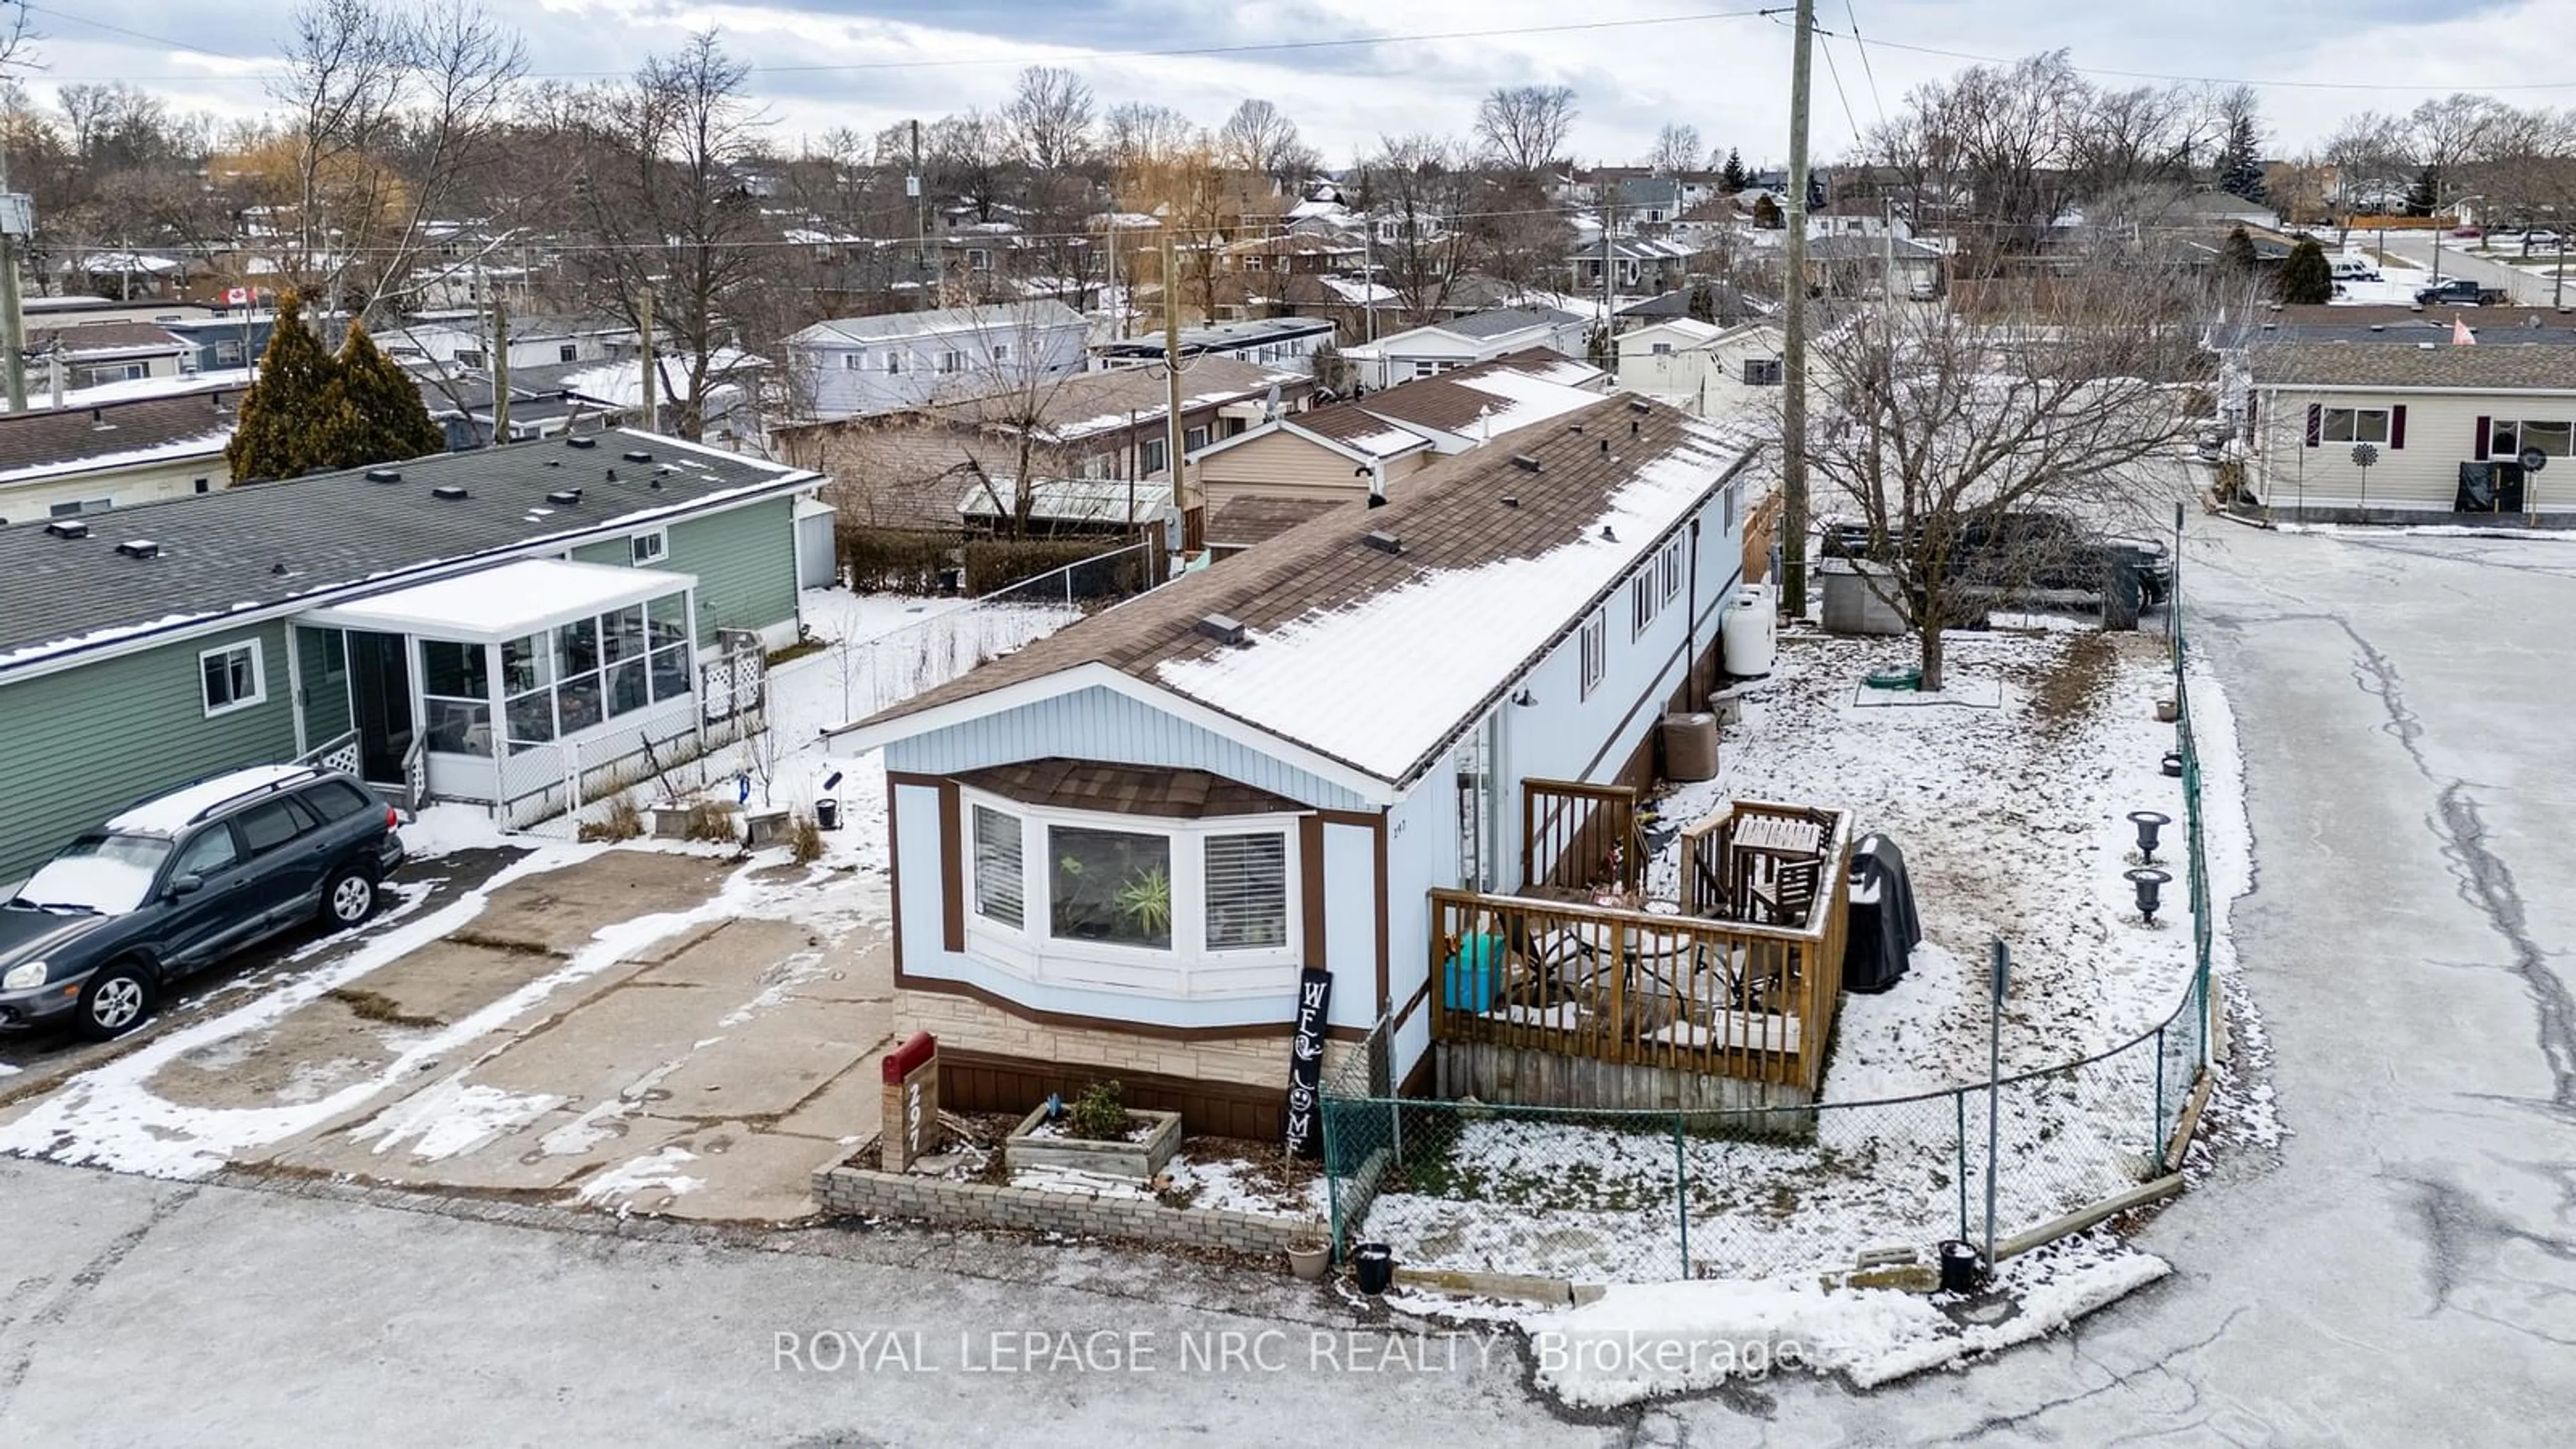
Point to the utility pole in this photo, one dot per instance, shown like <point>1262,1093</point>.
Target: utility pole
<point>1793,380</point>
<point>501,370</point>
<point>644,319</point>
<point>16,215</point>
<point>920,221</point>
<point>1172,395</point>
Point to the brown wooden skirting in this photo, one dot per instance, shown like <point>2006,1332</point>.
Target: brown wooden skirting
<point>1310,858</point>
<point>972,1081</point>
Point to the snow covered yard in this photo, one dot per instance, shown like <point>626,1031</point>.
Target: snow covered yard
<point>2013,822</point>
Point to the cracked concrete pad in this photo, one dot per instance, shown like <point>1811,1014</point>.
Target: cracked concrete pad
<point>850,1106</point>
<point>560,911</point>
<point>734,1174</point>
<point>304,1056</point>
<point>443,982</point>
<point>742,957</point>
<point>604,1045</point>
<point>518,1162</point>
<point>766,1066</point>
<point>859,966</point>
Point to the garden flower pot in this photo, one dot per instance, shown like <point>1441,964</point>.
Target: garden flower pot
<point>1310,1261</point>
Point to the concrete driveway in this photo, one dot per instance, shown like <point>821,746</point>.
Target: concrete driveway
<point>550,1044</point>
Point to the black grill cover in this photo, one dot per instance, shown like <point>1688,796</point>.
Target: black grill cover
<point>1883,928</point>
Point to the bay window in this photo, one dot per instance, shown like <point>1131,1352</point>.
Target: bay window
<point>1184,906</point>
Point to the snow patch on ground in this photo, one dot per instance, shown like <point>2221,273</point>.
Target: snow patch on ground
<point>453,1117</point>
<point>1654,1340</point>
<point>653,1172</point>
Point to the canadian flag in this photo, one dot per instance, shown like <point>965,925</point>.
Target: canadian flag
<point>236,296</point>
<point>2461,336</point>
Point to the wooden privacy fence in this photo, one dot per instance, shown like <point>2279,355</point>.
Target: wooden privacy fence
<point>1577,837</point>
<point>1639,987</point>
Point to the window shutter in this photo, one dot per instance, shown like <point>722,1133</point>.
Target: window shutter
<point>1247,892</point>
<point>2316,423</point>
<point>2484,424</point>
<point>2397,427</point>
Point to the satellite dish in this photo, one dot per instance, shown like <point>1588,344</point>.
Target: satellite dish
<point>2533,460</point>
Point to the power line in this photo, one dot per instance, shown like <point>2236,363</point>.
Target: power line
<point>1836,72</point>
<point>1866,69</point>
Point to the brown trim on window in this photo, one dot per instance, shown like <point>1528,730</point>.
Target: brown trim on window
<point>1310,859</point>
<point>952,866</point>
<point>940,985</point>
<point>894,866</point>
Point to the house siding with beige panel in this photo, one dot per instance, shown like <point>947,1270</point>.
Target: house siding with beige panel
<point>116,487</point>
<point>1284,465</point>
<point>2417,470</point>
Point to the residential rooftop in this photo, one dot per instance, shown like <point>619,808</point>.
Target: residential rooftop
<point>1222,336</point>
<point>1000,319</point>
<point>69,440</point>
<point>2489,366</point>
<point>1375,637</point>
<point>248,549</point>
<point>1090,403</point>
<point>1503,321</point>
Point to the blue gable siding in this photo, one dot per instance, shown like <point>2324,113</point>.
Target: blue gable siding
<point>1101,724</point>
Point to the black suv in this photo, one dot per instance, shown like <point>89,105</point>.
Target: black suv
<point>2022,552</point>
<point>182,881</point>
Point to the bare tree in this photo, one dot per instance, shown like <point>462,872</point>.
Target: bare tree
<point>667,210</point>
<point>967,155</point>
<point>465,68</point>
<point>1417,191</point>
<point>1141,135</point>
<point>1676,149</point>
<point>1260,140</point>
<point>1008,388</point>
<point>347,62</point>
<point>1522,128</point>
<point>1934,428</point>
<point>1049,119</point>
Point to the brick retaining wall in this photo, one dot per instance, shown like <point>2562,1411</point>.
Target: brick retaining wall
<point>864,1192</point>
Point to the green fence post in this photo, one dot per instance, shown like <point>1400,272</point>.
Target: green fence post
<point>1332,1177</point>
<point>1681,1189</point>
<point>1959,1102</point>
<point>2156,1140</point>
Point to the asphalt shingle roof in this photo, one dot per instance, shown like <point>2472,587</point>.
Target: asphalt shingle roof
<point>40,443</point>
<point>254,547</point>
<point>1502,320</point>
<point>2501,366</point>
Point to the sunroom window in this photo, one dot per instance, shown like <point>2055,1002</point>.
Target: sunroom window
<point>587,672</point>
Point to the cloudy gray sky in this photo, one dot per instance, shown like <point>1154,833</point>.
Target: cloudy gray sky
<point>1720,66</point>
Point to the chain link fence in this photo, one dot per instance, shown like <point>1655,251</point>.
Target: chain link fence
<point>1628,1196</point>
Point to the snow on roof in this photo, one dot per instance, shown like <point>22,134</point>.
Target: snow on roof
<point>621,384</point>
<point>496,604</point>
<point>998,318</point>
<point>201,445</point>
<point>172,813</point>
<point>1070,500</point>
<point>1383,681</point>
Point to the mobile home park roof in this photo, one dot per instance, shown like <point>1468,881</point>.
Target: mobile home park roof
<point>251,549</point>
<point>1376,659</point>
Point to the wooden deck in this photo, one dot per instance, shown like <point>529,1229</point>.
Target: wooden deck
<point>1664,985</point>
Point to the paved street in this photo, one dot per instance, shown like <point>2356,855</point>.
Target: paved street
<point>2404,1272</point>
<point>2521,284</point>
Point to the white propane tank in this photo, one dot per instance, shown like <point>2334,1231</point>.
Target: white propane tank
<point>1750,635</point>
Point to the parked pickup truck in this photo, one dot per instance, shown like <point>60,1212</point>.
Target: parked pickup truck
<point>2459,292</point>
<point>2020,554</point>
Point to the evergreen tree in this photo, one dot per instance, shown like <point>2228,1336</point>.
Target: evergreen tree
<point>2425,194</point>
<point>1767,214</point>
<point>1731,175</point>
<point>2240,170</point>
<point>2306,277</point>
<point>2237,253</point>
<point>1703,303</point>
<point>274,433</point>
<point>390,420</point>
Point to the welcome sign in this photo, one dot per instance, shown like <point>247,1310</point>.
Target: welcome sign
<point>1306,1063</point>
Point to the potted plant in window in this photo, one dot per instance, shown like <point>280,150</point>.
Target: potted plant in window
<point>1146,901</point>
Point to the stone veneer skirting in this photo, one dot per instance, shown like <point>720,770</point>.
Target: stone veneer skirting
<point>966,1023</point>
<point>864,1192</point>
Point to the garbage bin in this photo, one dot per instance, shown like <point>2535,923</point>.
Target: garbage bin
<point>827,814</point>
<point>1373,1267</point>
<point>1962,1270</point>
<point>1690,746</point>
<point>2123,592</point>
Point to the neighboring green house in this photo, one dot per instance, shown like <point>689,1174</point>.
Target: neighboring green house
<point>495,627</point>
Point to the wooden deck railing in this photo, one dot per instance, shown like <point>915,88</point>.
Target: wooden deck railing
<point>1643,987</point>
<point>1577,837</point>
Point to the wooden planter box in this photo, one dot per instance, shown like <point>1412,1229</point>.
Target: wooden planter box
<point>1140,1159</point>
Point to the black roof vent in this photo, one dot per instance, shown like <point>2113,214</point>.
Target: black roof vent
<point>1526,463</point>
<point>450,492</point>
<point>67,528</point>
<point>279,568</point>
<point>384,475</point>
<point>1640,405</point>
<point>637,455</point>
<point>139,548</point>
<point>1511,500</point>
<point>1382,541</point>
<point>581,442</point>
<point>98,420</point>
<point>1605,447</point>
<point>612,475</point>
<point>1224,630</point>
<point>566,497</point>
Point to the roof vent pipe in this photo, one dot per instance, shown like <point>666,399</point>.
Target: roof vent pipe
<point>448,492</point>
<point>1526,463</point>
<point>1383,541</point>
<point>139,548</point>
<point>1224,630</point>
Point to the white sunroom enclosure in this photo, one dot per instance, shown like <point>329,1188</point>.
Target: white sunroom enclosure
<point>532,687</point>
